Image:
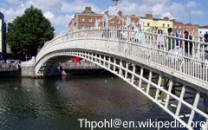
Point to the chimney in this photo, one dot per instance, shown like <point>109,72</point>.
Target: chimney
<point>133,15</point>
<point>206,27</point>
<point>149,16</point>
<point>173,19</point>
<point>120,13</point>
<point>88,9</point>
<point>166,18</point>
<point>106,12</point>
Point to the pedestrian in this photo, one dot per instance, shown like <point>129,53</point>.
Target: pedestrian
<point>206,55</point>
<point>170,39</point>
<point>188,44</point>
<point>136,36</point>
<point>206,38</point>
<point>205,61</point>
<point>177,39</point>
<point>160,39</point>
<point>201,36</point>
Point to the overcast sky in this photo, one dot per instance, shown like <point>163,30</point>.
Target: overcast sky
<point>59,12</point>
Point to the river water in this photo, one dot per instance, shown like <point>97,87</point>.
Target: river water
<point>57,104</point>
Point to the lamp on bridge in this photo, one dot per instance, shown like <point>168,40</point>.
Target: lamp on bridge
<point>115,3</point>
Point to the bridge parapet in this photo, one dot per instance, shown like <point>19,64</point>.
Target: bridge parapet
<point>172,52</point>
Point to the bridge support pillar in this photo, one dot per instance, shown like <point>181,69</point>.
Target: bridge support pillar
<point>158,90</point>
<point>104,61</point>
<point>132,78</point>
<point>114,65</point>
<point>28,68</point>
<point>141,75</point>
<point>148,84</point>
<point>120,70</point>
<point>109,61</point>
<point>126,71</point>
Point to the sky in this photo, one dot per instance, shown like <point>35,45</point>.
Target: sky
<point>60,12</point>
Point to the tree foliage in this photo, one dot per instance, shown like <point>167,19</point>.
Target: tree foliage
<point>27,33</point>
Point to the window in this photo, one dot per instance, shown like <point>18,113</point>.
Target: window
<point>163,25</point>
<point>90,20</point>
<point>148,24</point>
<point>112,21</point>
<point>82,27</point>
<point>179,27</point>
<point>82,20</point>
<point>90,27</point>
<point>118,21</point>
<point>168,25</point>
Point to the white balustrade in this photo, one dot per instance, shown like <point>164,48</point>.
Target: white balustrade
<point>186,56</point>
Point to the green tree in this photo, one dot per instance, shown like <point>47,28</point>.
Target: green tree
<point>27,33</point>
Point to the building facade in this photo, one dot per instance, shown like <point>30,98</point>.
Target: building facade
<point>89,19</point>
<point>192,29</point>
<point>86,19</point>
<point>203,30</point>
<point>2,34</point>
<point>180,28</point>
<point>153,24</point>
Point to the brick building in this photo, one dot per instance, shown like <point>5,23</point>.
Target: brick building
<point>206,27</point>
<point>192,29</point>
<point>180,27</point>
<point>89,19</point>
<point>86,19</point>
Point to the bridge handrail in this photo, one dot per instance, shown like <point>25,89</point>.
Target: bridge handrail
<point>194,56</point>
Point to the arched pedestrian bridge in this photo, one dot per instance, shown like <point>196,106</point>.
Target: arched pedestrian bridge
<point>169,74</point>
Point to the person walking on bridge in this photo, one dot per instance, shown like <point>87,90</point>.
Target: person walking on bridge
<point>170,40</point>
<point>206,38</point>
<point>188,44</point>
<point>160,39</point>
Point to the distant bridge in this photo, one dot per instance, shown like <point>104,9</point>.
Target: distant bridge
<point>169,75</point>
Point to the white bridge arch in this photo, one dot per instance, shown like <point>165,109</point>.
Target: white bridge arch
<point>137,59</point>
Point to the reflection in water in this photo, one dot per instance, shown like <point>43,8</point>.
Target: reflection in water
<point>56,104</point>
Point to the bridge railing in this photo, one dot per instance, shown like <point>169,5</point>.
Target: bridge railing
<point>185,54</point>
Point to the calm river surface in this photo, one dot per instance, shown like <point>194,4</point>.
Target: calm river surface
<point>57,104</point>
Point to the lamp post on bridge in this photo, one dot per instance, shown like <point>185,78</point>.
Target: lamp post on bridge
<point>115,3</point>
<point>105,17</point>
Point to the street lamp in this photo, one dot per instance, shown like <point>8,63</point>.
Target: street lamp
<point>115,2</point>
